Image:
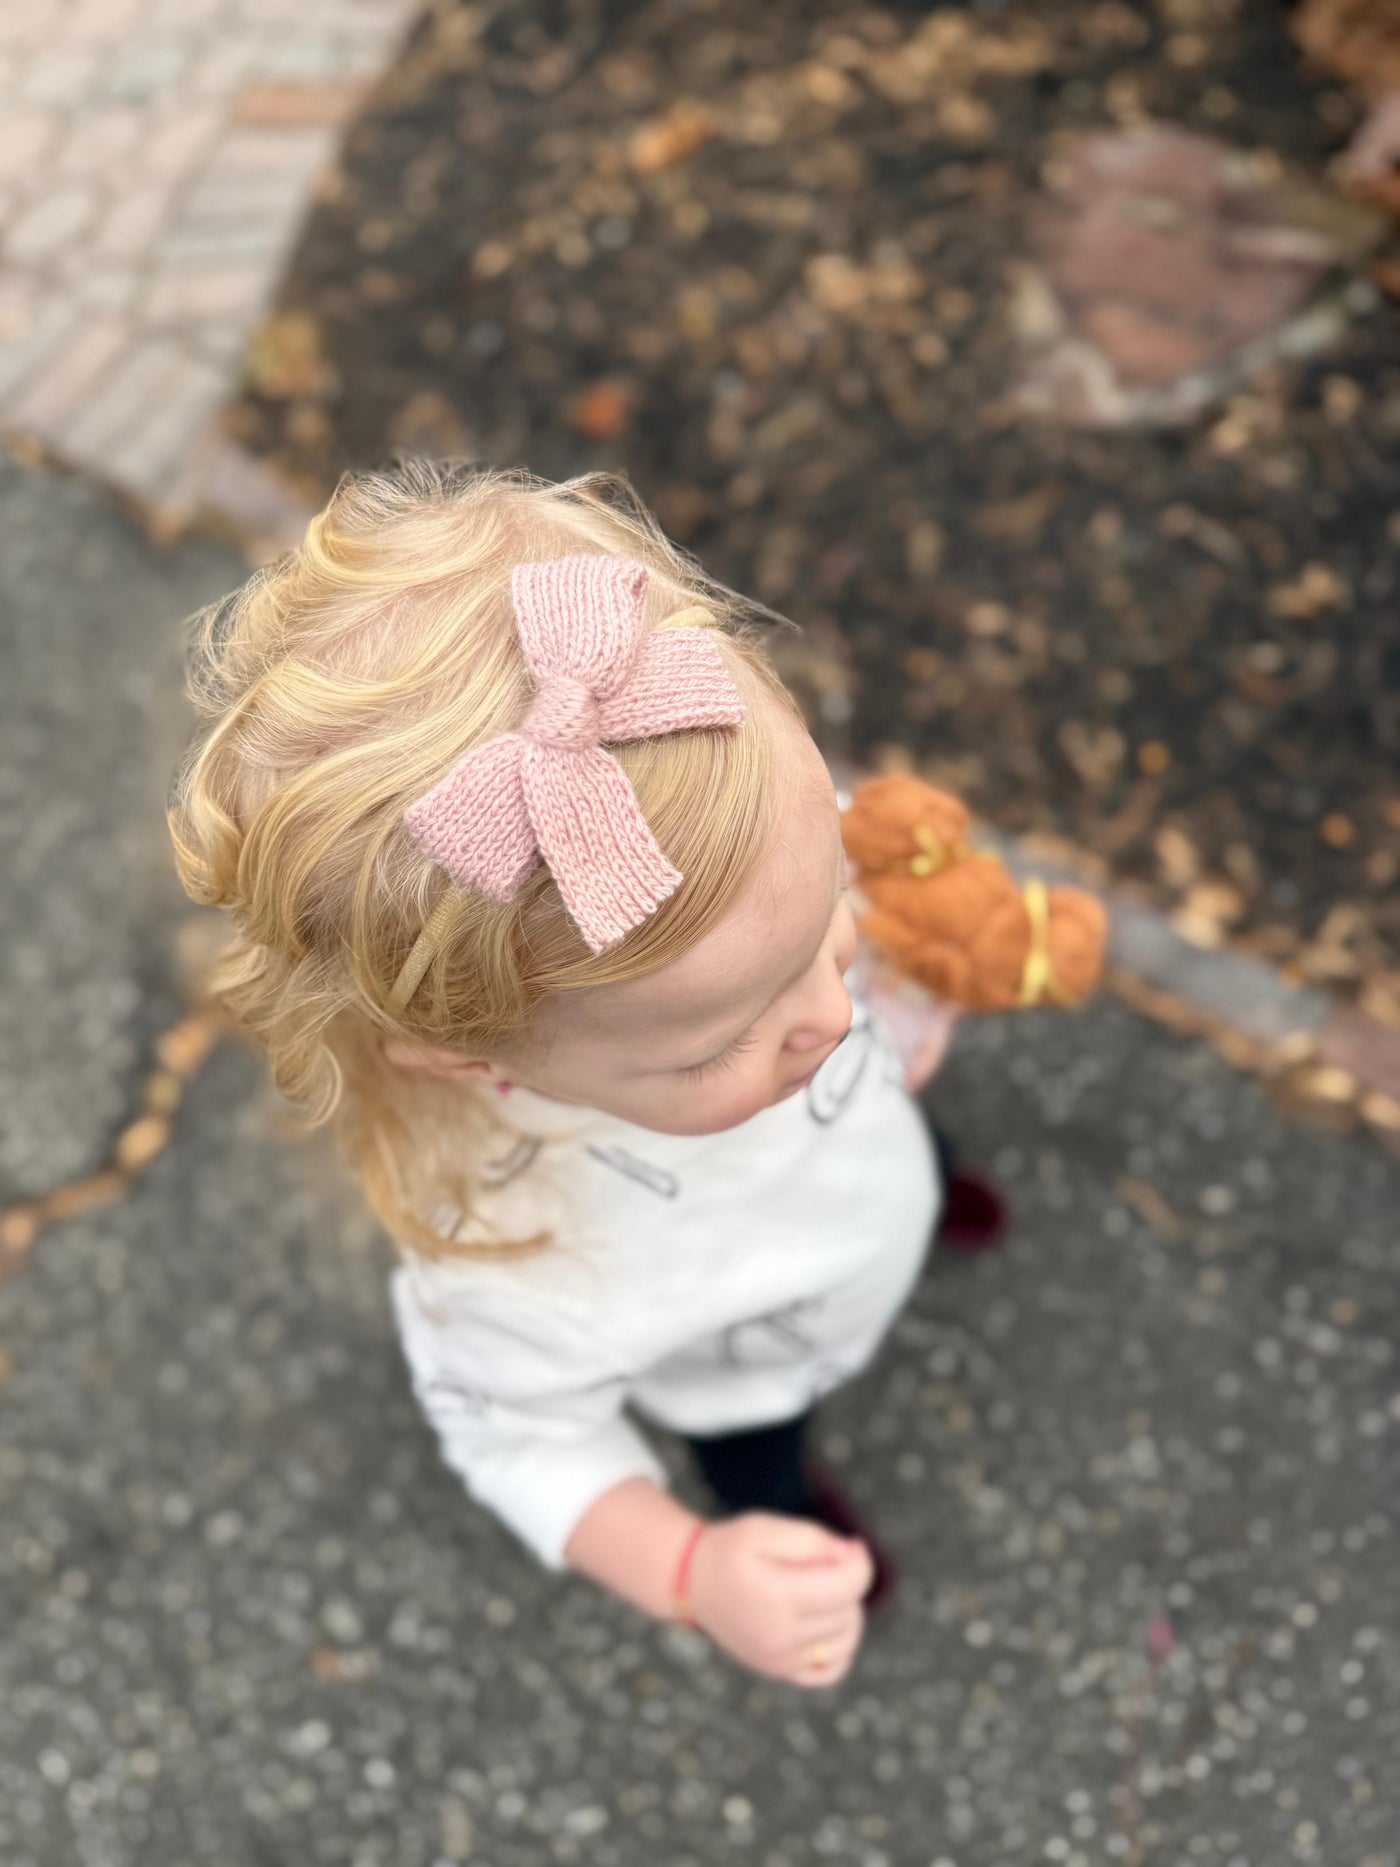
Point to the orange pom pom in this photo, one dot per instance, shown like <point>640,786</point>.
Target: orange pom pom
<point>953,918</point>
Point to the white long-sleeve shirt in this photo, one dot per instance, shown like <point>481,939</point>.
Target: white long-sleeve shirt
<point>709,1283</point>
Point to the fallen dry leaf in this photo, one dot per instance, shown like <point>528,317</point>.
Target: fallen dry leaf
<point>1315,589</point>
<point>1149,1204</point>
<point>1214,902</point>
<point>601,411</point>
<point>19,1227</point>
<point>1327,1084</point>
<point>69,1202</point>
<point>1177,854</point>
<point>285,358</point>
<point>1353,39</point>
<point>162,1092</point>
<point>185,1045</point>
<point>662,142</point>
<point>138,1145</point>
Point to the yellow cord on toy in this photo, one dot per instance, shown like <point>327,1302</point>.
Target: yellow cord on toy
<point>1038,981</point>
<point>934,856</point>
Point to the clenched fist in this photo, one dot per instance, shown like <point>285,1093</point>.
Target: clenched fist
<point>781,1594</point>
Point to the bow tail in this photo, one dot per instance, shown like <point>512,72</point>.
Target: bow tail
<point>678,682</point>
<point>475,821</point>
<point>591,832</point>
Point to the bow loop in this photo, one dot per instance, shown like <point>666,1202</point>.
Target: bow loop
<point>581,616</point>
<point>550,791</point>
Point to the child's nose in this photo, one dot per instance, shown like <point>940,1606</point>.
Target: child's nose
<point>825,1018</point>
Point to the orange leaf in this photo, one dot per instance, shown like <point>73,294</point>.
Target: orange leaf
<point>662,142</point>
<point>602,410</point>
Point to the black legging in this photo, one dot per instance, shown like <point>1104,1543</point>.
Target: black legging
<point>759,1469</point>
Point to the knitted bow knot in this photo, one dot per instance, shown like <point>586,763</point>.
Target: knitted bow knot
<point>549,791</point>
<point>564,713</point>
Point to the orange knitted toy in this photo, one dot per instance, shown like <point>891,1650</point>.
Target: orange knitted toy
<point>952,918</point>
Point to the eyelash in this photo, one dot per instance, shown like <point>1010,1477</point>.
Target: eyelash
<point>722,1061</point>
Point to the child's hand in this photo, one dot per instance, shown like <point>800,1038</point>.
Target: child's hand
<point>781,1594</point>
<point>931,1050</point>
<point>920,1027</point>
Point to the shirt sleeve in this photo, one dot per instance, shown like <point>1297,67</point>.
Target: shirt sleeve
<point>526,1407</point>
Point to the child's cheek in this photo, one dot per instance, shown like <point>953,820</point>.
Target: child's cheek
<point>704,1108</point>
<point>738,1102</point>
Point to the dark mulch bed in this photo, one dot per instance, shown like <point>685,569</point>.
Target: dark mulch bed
<point>1181,652</point>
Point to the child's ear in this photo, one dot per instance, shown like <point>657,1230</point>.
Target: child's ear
<point>447,1065</point>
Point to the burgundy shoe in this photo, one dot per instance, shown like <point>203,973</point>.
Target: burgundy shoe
<point>974,1213</point>
<point>830,1505</point>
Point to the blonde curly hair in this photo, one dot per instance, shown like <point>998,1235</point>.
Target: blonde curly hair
<point>336,687</point>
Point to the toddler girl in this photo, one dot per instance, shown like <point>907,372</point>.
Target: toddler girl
<point>538,887</point>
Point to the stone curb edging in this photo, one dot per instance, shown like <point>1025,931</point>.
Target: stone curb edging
<point>1260,1018</point>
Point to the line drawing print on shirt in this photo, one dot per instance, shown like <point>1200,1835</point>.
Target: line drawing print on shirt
<point>655,1179</point>
<point>785,1328</point>
<point>449,1394</point>
<point>511,1165</point>
<point>831,1089</point>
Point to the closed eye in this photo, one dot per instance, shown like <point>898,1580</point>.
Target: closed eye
<point>723,1060</point>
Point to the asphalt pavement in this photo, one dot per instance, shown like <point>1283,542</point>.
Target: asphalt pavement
<point>1139,1467</point>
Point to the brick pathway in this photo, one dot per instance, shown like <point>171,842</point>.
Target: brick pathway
<point>156,157</point>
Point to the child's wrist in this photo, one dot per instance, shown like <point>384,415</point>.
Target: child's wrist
<point>682,1599</point>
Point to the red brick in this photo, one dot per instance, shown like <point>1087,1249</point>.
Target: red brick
<point>1144,350</point>
<point>99,21</point>
<point>1107,253</point>
<point>137,384</point>
<point>291,149</point>
<point>98,140</point>
<point>1159,160</point>
<point>150,453</point>
<point>192,294</point>
<point>26,136</point>
<point>298,106</point>
<point>130,228</point>
<point>1253,298</point>
<point>79,364</point>
<point>177,140</point>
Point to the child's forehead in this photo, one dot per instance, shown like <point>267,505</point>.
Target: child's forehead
<point>755,949</point>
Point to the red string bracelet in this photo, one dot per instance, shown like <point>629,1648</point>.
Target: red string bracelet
<point>680,1588</point>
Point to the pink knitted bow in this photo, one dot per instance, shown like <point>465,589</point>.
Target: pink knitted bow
<point>548,791</point>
